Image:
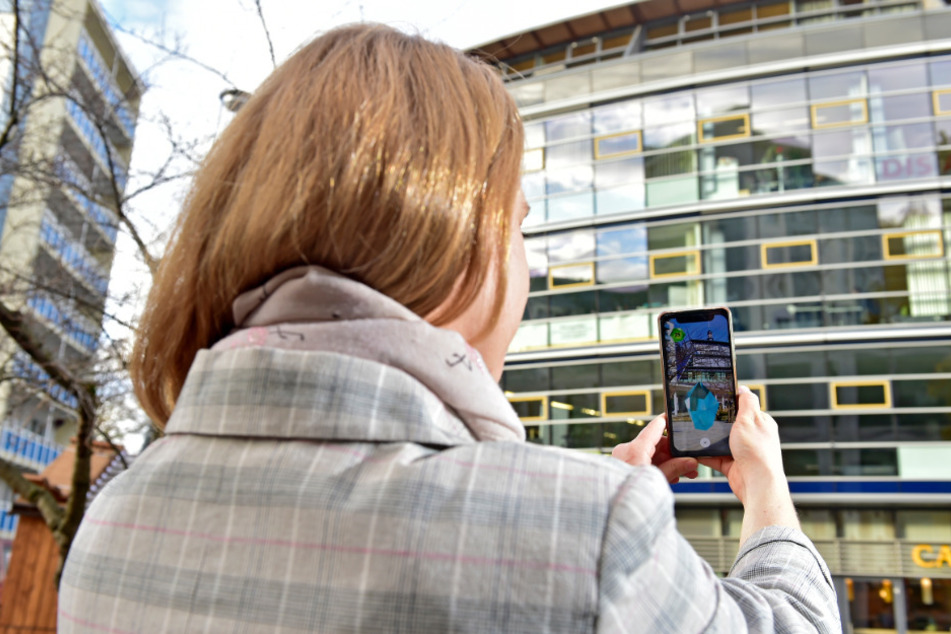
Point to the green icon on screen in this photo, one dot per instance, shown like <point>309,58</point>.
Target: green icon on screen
<point>677,335</point>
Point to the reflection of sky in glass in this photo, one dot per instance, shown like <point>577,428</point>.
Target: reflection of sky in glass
<point>940,72</point>
<point>902,137</point>
<point>567,247</point>
<point>618,117</point>
<point>776,121</point>
<point>536,252</point>
<point>899,107</point>
<point>895,212</point>
<point>778,93</point>
<point>568,126</point>
<point>670,109</point>
<point>627,240</point>
<point>664,136</point>
<point>623,270</point>
<point>698,331</point>
<point>722,100</point>
<point>837,85</point>
<point>888,78</point>
<point>570,179</point>
<point>619,172</point>
<point>534,135</point>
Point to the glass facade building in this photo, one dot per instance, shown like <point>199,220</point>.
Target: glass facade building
<point>790,160</point>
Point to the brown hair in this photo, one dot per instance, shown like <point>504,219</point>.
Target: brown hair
<point>380,155</point>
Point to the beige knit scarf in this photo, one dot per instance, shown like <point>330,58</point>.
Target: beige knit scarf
<point>312,308</point>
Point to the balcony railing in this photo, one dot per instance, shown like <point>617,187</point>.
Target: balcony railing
<point>73,254</point>
<point>103,78</point>
<point>24,448</point>
<point>79,329</point>
<point>27,370</point>
<point>8,524</point>
<point>91,135</point>
<point>104,218</point>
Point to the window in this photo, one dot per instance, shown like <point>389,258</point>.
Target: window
<point>533,160</point>
<point>760,392</point>
<point>627,403</point>
<point>913,244</point>
<point>571,275</point>
<point>839,113</point>
<point>860,394</point>
<point>675,264</point>
<point>723,128</point>
<point>530,408</point>
<point>617,145</point>
<point>783,254</point>
<point>942,102</point>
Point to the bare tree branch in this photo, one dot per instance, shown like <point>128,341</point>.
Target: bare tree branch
<point>267,32</point>
<point>174,52</point>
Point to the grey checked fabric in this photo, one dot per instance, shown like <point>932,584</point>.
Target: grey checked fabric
<point>318,492</point>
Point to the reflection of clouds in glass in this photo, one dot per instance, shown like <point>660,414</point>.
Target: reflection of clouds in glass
<point>533,185</point>
<point>534,135</point>
<point>536,253</point>
<point>570,179</point>
<point>630,239</point>
<point>567,247</point>
<point>776,121</point>
<point>678,107</point>
<point>569,125</point>
<point>664,136</point>
<point>895,212</point>
<point>617,117</point>
<point>622,270</point>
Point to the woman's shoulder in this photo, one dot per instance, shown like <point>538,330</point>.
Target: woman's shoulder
<point>546,469</point>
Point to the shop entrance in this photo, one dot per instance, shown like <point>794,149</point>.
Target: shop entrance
<point>882,605</point>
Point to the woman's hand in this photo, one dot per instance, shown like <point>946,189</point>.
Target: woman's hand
<point>651,447</point>
<point>755,472</point>
<point>754,440</point>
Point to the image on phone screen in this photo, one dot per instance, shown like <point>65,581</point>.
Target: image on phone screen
<point>699,380</point>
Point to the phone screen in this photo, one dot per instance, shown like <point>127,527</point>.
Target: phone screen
<point>699,380</point>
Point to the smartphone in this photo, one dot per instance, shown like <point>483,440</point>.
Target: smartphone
<point>699,363</point>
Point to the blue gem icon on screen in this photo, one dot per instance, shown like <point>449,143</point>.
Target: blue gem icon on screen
<point>703,406</point>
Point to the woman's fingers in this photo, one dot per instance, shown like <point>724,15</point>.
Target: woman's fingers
<point>677,468</point>
<point>640,451</point>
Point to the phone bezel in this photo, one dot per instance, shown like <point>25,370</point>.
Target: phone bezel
<point>678,314</point>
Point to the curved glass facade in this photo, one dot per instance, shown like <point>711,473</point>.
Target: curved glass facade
<point>888,122</point>
<point>802,178</point>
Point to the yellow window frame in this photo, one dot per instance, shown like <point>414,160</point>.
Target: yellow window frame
<point>814,110</point>
<point>679,254</point>
<point>886,247</point>
<point>541,150</point>
<point>936,100</point>
<point>886,393</point>
<point>766,246</point>
<point>551,280</point>
<point>524,399</point>
<point>760,391</point>
<point>597,145</point>
<point>647,402</point>
<point>746,128</point>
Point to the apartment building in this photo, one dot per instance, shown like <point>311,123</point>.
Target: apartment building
<point>71,99</point>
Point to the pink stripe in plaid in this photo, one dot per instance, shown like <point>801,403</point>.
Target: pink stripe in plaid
<point>478,561</point>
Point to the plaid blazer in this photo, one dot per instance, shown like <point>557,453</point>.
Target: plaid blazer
<point>316,492</point>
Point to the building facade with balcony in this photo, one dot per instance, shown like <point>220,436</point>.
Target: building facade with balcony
<point>64,164</point>
<point>790,159</point>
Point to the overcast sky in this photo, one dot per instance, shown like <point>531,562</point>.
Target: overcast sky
<point>227,36</point>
